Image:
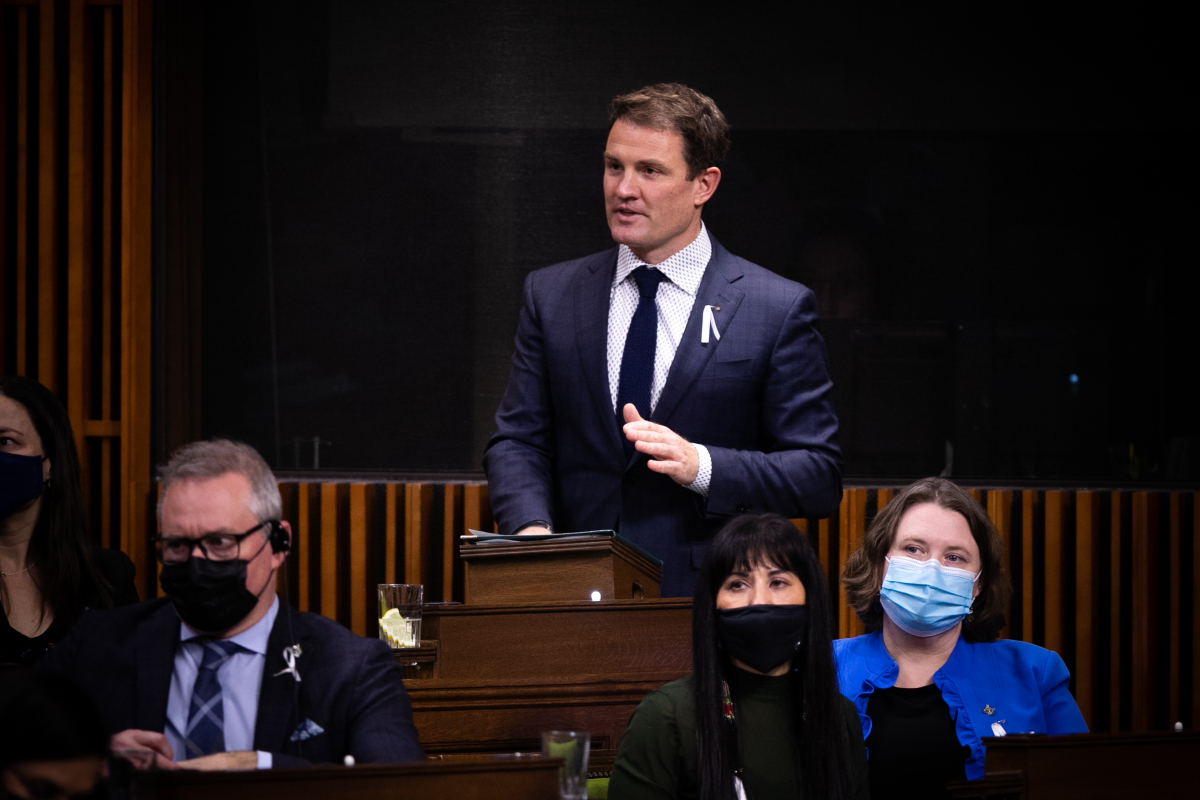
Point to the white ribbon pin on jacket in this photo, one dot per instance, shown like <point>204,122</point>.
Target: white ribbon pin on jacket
<point>709,322</point>
<point>290,654</point>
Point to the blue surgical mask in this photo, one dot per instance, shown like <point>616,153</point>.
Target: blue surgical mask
<point>925,598</point>
<point>20,482</point>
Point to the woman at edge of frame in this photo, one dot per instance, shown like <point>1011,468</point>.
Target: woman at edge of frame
<point>931,677</point>
<point>51,573</point>
<point>761,716</point>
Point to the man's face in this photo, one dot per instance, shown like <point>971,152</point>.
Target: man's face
<point>193,508</point>
<point>651,205</point>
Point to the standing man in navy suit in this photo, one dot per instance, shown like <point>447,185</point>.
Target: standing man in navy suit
<point>221,674</point>
<point>664,385</point>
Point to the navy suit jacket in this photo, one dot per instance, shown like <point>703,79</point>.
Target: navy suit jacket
<point>758,399</point>
<point>350,686</point>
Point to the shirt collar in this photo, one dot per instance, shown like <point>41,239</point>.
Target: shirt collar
<point>685,269</point>
<point>253,638</point>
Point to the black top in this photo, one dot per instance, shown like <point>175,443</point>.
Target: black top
<point>912,749</point>
<point>17,648</point>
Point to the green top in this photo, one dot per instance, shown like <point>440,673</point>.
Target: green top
<point>657,758</point>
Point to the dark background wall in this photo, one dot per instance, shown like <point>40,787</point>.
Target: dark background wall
<point>995,210</point>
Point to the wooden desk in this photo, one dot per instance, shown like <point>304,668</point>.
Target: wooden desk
<point>1095,766</point>
<point>503,673</point>
<point>477,778</point>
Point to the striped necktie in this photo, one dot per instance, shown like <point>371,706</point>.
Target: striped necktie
<point>206,718</point>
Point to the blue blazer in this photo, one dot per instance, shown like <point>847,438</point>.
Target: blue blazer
<point>351,686</point>
<point>758,399</point>
<point>1024,685</point>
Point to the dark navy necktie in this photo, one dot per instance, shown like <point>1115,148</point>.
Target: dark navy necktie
<point>637,361</point>
<point>206,718</point>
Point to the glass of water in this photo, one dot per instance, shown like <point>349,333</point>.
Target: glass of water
<point>572,748</point>
<point>400,614</point>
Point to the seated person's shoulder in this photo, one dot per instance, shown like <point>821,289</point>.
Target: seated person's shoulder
<point>119,571</point>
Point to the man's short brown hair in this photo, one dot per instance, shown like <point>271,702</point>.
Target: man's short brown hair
<point>863,575</point>
<point>673,106</point>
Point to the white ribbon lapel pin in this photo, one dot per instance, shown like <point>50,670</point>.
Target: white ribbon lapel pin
<point>709,322</point>
<point>290,654</point>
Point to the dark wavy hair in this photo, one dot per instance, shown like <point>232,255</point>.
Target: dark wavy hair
<point>744,543</point>
<point>673,106</point>
<point>863,575</point>
<point>66,573</point>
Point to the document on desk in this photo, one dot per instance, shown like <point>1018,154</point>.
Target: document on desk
<point>481,537</point>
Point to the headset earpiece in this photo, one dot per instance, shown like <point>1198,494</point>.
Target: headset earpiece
<point>278,537</point>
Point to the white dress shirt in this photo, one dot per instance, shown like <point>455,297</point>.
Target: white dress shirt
<point>240,677</point>
<point>676,296</point>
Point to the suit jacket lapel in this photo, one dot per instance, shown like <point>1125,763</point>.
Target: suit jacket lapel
<point>592,295</point>
<point>278,713</point>
<point>716,289</point>
<point>157,640</point>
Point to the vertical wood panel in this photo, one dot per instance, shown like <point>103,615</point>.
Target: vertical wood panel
<point>999,510</point>
<point>1029,501</point>
<point>78,233</point>
<point>823,547</point>
<point>303,547</point>
<point>1196,610</point>
<point>452,528</point>
<point>1116,674</point>
<point>359,589</point>
<point>389,534</point>
<point>1145,535</point>
<point>1054,508</point>
<point>477,514</point>
<point>329,550</point>
<point>418,502</point>
<point>852,515</point>
<point>1087,603</point>
<point>1174,620</point>
<point>21,234</point>
<point>47,260</point>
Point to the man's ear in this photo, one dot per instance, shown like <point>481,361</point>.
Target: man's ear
<point>704,185</point>
<point>278,558</point>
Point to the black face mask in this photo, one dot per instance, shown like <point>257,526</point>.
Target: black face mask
<point>762,637</point>
<point>20,482</point>
<point>210,596</point>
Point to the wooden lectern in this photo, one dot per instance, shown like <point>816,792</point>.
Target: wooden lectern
<point>530,651</point>
<point>558,570</point>
<point>1095,766</point>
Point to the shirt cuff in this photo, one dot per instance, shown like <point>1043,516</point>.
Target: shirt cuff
<point>265,759</point>
<point>704,473</point>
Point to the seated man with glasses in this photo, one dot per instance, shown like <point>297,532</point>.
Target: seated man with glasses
<point>220,674</point>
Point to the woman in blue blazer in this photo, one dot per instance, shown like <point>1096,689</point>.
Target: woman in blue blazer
<point>931,678</point>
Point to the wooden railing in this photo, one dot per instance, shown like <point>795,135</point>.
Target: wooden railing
<point>1108,579</point>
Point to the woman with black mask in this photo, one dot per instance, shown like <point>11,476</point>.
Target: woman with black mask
<point>761,716</point>
<point>48,572</point>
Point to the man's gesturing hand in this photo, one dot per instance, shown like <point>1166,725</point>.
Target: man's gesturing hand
<point>143,748</point>
<point>670,453</point>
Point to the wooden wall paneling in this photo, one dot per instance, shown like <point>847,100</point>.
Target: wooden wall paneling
<point>390,552</point>
<point>21,211</point>
<point>477,512</point>
<point>452,528</point>
<point>1144,639</point>
<point>1055,570</point>
<point>303,550</point>
<point>47,217</point>
<point>135,241</point>
<point>1087,603</point>
<point>882,498</point>
<point>361,497</point>
<point>79,135</point>
<point>1119,501</point>
<point>105,286</point>
<point>1174,621</point>
<point>823,547</point>
<point>418,502</point>
<point>852,514</point>
<point>1029,510</point>
<point>1195,582</point>
<point>330,588</point>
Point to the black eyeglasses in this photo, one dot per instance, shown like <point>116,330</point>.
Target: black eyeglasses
<point>215,546</point>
